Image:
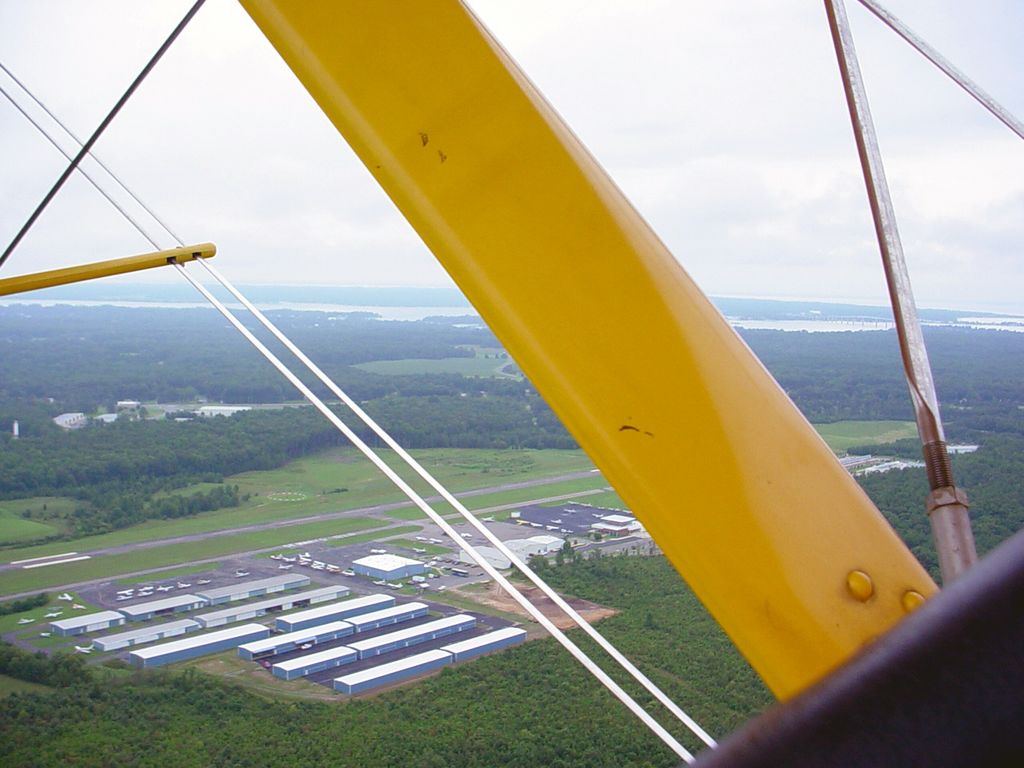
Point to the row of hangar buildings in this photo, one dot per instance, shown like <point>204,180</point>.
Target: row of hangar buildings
<point>370,628</point>
<point>233,593</point>
<point>376,566</point>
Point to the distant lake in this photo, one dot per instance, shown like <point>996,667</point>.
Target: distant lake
<point>385,313</point>
<point>412,313</point>
<point>812,326</point>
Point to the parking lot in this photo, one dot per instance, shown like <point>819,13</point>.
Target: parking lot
<point>569,519</point>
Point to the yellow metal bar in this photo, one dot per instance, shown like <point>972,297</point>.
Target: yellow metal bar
<point>37,280</point>
<point>745,499</point>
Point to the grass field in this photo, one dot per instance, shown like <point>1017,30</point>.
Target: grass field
<point>311,485</point>
<point>607,499</point>
<point>255,679</point>
<point>10,623</point>
<point>14,528</point>
<point>9,685</point>
<point>488,363</point>
<point>842,435</point>
<point>174,554</point>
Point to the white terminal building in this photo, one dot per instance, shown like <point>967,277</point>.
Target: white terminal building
<point>70,420</point>
<point>617,525</point>
<point>207,411</point>
<point>387,567</point>
<point>521,548</point>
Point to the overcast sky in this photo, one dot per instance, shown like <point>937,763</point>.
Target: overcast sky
<point>724,123</point>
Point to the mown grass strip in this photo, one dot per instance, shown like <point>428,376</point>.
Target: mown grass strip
<point>174,554</point>
<point>843,435</point>
<point>319,479</point>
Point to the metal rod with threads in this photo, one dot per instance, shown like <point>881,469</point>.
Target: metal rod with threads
<point>946,504</point>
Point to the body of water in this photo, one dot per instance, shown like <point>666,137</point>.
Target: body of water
<point>385,313</point>
<point>1015,324</point>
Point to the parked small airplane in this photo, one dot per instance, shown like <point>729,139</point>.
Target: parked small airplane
<point>53,614</point>
<point>45,634</point>
<point>203,581</point>
<point>165,588</point>
<point>25,621</point>
<point>78,607</point>
<point>240,574</point>
<point>83,649</point>
<point>284,567</point>
<point>183,585</point>
<point>65,596</point>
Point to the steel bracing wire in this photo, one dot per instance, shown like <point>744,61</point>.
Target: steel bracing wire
<point>81,170</point>
<point>610,649</point>
<point>658,694</point>
<point>577,653</point>
<point>100,129</point>
<point>95,158</point>
<point>946,504</point>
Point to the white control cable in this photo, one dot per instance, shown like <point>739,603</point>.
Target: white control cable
<point>484,531</point>
<point>669,740</point>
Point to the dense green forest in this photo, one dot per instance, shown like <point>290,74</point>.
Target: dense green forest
<point>86,357</point>
<point>529,706</point>
<point>991,478</point>
<point>59,359</point>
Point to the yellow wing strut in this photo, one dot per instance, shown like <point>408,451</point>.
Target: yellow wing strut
<point>745,499</point>
<point>82,272</point>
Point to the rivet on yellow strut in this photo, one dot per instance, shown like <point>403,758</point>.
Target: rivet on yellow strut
<point>912,600</point>
<point>860,585</point>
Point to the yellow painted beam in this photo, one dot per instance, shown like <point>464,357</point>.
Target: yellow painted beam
<point>82,272</point>
<point>745,499</point>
